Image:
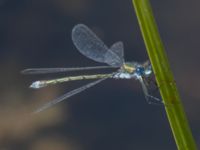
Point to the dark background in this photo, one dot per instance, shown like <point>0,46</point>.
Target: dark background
<point>112,115</point>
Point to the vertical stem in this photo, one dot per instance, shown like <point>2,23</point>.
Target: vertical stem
<point>164,77</point>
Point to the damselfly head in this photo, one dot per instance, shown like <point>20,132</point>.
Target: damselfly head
<point>140,70</point>
<point>137,69</point>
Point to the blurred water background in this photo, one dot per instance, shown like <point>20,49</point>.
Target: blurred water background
<point>112,115</point>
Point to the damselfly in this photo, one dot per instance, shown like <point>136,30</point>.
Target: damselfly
<point>93,47</point>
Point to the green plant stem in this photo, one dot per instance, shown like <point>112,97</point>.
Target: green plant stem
<point>164,77</point>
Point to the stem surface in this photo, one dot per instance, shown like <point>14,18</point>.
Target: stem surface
<point>164,77</point>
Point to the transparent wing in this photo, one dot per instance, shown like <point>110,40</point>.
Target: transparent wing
<point>67,95</point>
<point>56,70</point>
<point>117,49</point>
<point>93,47</point>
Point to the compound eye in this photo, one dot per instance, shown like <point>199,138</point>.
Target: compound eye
<point>148,71</point>
<point>140,70</point>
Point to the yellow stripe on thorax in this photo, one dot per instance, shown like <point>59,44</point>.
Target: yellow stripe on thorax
<point>128,68</point>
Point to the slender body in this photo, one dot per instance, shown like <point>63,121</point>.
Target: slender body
<point>92,47</point>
